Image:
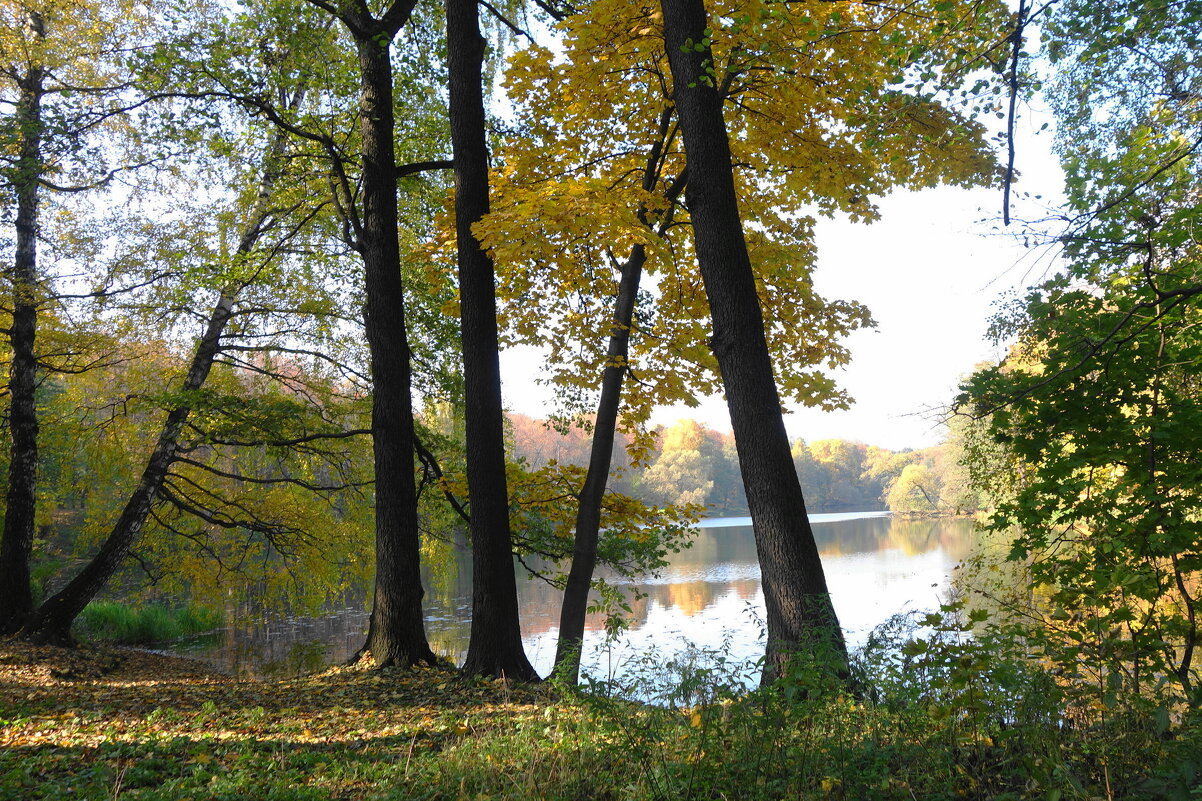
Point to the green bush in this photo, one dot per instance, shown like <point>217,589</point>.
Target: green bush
<point>119,623</point>
<point>941,705</point>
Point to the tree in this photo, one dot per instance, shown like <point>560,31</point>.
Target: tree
<point>727,496</point>
<point>843,464</point>
<point>20,501</point>
<point>184,470</point>
<point>495,647</point>
<point>361,159</point>
<point>681,474</point>
<point>396,634</point>
<point>605,426</point>
<point>1093,418</point>
<point>52,621</point>
<point>916,489</point>
<point>603,178</point>
<point>63,71</point>
<point>799,612</point>
<point>950,465</point>
<point>266,501</point>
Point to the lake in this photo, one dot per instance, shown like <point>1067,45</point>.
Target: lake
<point>708,597</point>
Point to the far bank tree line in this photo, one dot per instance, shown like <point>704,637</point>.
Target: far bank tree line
<point>691,465</point>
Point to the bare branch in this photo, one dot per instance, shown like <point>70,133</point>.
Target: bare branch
<point>514,29</point>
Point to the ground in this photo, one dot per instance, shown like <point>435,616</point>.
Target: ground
<point>113,722</point>
<point>106,724</point>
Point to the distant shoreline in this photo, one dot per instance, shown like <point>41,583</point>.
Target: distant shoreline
<point>938,513</point>
<point>837,517</point>
<point>821,517</point>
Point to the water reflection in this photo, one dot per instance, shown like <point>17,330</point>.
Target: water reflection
<point>709,595</point>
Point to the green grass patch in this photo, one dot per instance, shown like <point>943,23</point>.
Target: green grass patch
<point>139,625</point>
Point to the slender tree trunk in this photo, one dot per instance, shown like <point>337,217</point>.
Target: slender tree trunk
<point>588,513</point>
<point>495,647</point>
<point>16,542</point>
<point>397,632</point>
<point>52,621</point>
<point>800,616</point>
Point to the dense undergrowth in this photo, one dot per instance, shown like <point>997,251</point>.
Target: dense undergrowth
<point>935,714</point>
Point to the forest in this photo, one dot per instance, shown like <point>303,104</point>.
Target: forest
<point>691,464</point>
<point>260,259</point>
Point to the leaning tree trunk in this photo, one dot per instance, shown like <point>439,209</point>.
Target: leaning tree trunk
<point>52,621</point>
<point>573,610</point>
<point>495,647</point>
<point>397,632</point>
<point>800,616</point>
<point>16,542</point>
<point>588,511</point>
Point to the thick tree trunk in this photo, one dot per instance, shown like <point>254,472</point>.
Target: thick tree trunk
<point>16,542</point>
<point>52,621</point>
<point>397,633</point>
<point>495,647</point>
<point>800,616</point>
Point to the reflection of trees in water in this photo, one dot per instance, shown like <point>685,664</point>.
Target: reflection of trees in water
<point>912,537</point>
<point>446,567</point>
<point>691,597</point>
<point>721,561</point>
<point>846,537</point>
<point>279,648</point>
<point>716,546</point>
<point>955,536</point>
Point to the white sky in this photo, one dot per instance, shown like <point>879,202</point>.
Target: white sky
<point>930,271</point>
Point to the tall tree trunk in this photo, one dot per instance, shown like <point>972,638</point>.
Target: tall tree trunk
<point>800,616</point>
<point>397,632</point>
<point>495,647</point>
<point>52,621</point>
<point>16,542</point>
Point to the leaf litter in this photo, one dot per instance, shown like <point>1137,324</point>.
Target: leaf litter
<point>84,722</point>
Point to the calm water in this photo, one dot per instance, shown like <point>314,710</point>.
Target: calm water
<point>709,596</point>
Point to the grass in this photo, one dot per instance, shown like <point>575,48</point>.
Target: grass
<point>152,728</point>
<point>120,623</point>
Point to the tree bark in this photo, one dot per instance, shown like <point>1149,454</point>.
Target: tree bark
<point>16,542</point>
<point>801,619</point>
<point>397,632</point>
<point>52,621</point>
<point>495,647</point>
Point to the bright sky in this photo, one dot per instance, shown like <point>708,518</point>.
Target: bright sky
<point>931,271</point>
